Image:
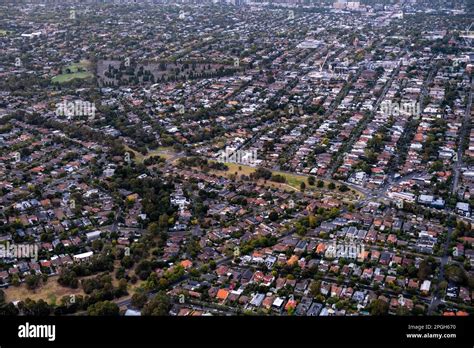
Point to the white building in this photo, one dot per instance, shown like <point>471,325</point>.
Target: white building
<point>83,257</point>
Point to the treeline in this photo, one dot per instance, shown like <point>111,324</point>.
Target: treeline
<point>69,276</point>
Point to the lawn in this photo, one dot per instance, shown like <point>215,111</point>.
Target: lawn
<point>293,181</point>
<point>138,156</point>
<point>162,151</point>
<point>51,291</point>
<point>239,168</point>
<point>81,70</point>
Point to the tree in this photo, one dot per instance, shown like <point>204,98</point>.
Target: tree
<point>143,269</point>
<point>403,311</point>
<point>32,281</point>
<point>302,186</point>
<point>320,184</point>
<point>443,285</point>
<point>261,173</point>
<point>158,305</point>
<point>424,270</point>
<point>97,244</point>
<point>139,299</point>
<point>127,261</point>
<point>278,178</point>
<point>8,309</point>
<point>379,307</point>
<point>193,248</point>
<point>311,180</point>
<point>343,188</point>
<point>154,228</point>
<point>15,280</point>
<point>163,221</point>
<point>331,186</point>
<point>68,278</point>
<point>31,307</point>
<point>315,288</point>
<point>103,308</point>
<point>273,216</point>
<point>455,274</point>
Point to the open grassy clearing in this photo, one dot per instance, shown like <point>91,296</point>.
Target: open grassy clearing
<point>293,181</point>
<point>52,291</point>
<point>81,70</point>
<point>162,151</point>
<point>49,292</point>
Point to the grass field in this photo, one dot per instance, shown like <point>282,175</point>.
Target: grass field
<point>293,181</point>
<point>51,291</point>
<point>162,151</point>
<point>3,32</point>
<point>81,70</point>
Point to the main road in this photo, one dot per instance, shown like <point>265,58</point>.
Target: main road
<point>462,137</point>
